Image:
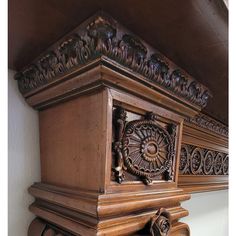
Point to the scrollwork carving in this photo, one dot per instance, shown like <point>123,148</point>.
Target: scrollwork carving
<point>143,147</point>
<point>207,122</point>
<point>184,159</point>
<point>208,162</point>
<point>101,36</point>
<point>196,161</point>
<point>201,161</point>
<point>225,167</point>
<point>218,166</point>
<point>161,223</point>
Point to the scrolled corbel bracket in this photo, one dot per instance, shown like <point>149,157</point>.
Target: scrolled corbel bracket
<point>161,223</point>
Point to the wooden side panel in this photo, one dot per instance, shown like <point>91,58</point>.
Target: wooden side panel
<point>72,142</point>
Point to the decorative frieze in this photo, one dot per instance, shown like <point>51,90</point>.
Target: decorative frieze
<point>201,161</point>
<point>103,37</point>
<point>208,123</point>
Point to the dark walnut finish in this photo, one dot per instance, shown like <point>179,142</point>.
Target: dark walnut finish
<point>111,117</point>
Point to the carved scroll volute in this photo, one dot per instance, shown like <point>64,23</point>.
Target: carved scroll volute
<point>161,223</point>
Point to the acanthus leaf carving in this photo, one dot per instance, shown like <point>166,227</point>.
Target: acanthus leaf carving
<point>101,36</point>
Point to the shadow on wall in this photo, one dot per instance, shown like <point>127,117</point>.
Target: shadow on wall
<point>23,159</point>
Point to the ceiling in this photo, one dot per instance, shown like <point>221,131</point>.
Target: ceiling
<point>192,33</point>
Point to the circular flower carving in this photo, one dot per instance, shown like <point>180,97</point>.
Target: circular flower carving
<point>196,161</point>
<point>218,164</point>
<point>184,159</point>
<point>226,165</point>
<point>147,148</point>
<point>208,162</point>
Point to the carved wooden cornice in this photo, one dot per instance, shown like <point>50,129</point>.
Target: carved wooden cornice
<point>208,123</point>
<point>102,37</point>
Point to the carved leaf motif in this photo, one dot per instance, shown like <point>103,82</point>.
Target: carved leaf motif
<point>102,37</point>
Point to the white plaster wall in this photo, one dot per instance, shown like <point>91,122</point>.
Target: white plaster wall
<point>208,211</point>
<point>23,159</point>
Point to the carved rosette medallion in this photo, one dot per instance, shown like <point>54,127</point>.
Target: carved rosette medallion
<point>208,162</point>
<point>145,148</point>
<point>218,164</point>
<point>196,160</point>
<point>184,159</point>
<point>225,166</point>
<point>160,223</point>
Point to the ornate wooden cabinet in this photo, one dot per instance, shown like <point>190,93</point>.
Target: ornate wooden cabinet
<point>115,128</point>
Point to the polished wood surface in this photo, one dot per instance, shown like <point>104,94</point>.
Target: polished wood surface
<point>191,33</point>
<point>77,191</point>
<point>80,146</point>
<point>122,142</point>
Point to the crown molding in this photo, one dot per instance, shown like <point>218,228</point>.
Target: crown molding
<point>101,36</point>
